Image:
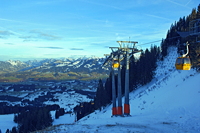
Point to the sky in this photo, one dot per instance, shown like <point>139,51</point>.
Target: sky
<point>38,29</point>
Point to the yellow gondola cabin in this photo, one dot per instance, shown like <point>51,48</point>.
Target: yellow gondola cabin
<point>115,64</point>
<point>183,63</point>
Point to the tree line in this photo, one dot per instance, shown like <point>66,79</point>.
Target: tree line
<point>33,120</point>
<point>174,39</point>
<point>10,109</point>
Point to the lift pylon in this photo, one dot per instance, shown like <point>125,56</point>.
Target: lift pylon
<point>126,49</point>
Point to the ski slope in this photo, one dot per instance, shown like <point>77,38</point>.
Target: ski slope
<point>168,104</point>
<point>172,106</point>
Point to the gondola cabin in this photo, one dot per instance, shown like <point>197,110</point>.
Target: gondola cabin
<point>183,63</point>
<point>115,64</point>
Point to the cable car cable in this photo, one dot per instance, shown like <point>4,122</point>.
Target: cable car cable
<point>160,40</point>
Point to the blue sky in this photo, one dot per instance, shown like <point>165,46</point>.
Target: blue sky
<point>36,29</point>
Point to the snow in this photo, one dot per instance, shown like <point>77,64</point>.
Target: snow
<point>32,96</point>
<point>14,63</point>
<point>168,104</point>
<point>88,65</point>
<point>60,65</point>
<point>167,65</point>
<point>6,122</point>
<point>170,107</point>
<point>68,100</point>
<point>75,63</point>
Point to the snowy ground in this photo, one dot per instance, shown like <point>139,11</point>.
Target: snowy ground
<point>68,100</point>
<point>6,122</point>
<point>170,107</point>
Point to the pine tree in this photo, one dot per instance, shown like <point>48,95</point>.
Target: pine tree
<point>62,111</point>
<point>14,130</point>
<point>163,48</point>
<point>193,15</point>
<point>108,88</point>
<point>198,12</point>
<point>57,114</point>
<point>7,131</point>
<point>132,72</point>
<point>15,118</point>
<point>99,95</point>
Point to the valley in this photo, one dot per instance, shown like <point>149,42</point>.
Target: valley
<point>65,94</point>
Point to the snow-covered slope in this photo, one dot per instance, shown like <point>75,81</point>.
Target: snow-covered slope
<point>169,104</point>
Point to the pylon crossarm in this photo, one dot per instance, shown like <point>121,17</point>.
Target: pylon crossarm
<point>114,47</point>
<point>120,42</point>
<point>108,57</point>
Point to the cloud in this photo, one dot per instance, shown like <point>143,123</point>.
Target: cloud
<point>37,35</point>
<point>159,17</point>
<point>29,38</point>
<point>76,49</point>
<point>180,4</point>
<point>52,47</point>
<point>104,5</point>
<point>45,35</point>
<point>16,21</point>
<point>106,46</point>
<point>188,2</point>
<point>5,34</point>
<point>10,20</point>
<point>9,43</point>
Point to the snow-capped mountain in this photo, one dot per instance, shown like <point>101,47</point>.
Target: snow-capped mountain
<point>51,69</point>
<point>86,65</point>
<point>11,66</point>
<point>58,65</point>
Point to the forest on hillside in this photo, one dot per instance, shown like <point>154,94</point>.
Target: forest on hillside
<point>173,38</point>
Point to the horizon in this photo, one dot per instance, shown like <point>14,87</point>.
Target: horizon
<point>62,28</point>
<point>58,58</point>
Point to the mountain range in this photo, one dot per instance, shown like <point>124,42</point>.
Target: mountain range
<point>53,69</point>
